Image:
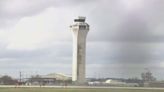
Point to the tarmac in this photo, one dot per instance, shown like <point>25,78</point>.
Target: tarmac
<point>85,87</point>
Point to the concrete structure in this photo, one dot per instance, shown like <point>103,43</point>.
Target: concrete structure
<point>79,30</point>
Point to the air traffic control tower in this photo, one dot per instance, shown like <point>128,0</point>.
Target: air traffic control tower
<point>79,30</point>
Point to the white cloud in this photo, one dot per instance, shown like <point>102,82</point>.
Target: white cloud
<point>131,5</point>
<point>19,8</point>
<point>39,30</point>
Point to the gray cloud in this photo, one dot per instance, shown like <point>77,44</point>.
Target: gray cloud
<point>141,22</point>
<point>132,30</point>
<point>116,40</point>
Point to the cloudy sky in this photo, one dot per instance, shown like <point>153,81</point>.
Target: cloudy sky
<point>125,37</point>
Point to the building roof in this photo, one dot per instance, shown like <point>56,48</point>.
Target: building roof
<point>57,76</point>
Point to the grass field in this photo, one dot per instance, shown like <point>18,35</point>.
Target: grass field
<point>75,90</point>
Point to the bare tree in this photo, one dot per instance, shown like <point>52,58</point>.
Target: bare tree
<point>147,76</point>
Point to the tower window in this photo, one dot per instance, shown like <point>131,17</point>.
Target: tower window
<point>82,27</point>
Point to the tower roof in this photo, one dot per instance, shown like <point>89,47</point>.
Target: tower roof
<point>80,19</point>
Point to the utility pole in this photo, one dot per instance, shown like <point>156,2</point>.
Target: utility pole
<point>20,76</point>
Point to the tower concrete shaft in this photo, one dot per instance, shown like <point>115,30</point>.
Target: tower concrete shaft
<point>79,30</point>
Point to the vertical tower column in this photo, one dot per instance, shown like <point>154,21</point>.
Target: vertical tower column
<point>79,30</point>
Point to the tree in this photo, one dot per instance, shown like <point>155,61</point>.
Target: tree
<point>147,76</point>
<point>7,80</point>
<point>36,78</point>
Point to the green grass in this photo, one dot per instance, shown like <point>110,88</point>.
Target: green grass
<point>75,90</point>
